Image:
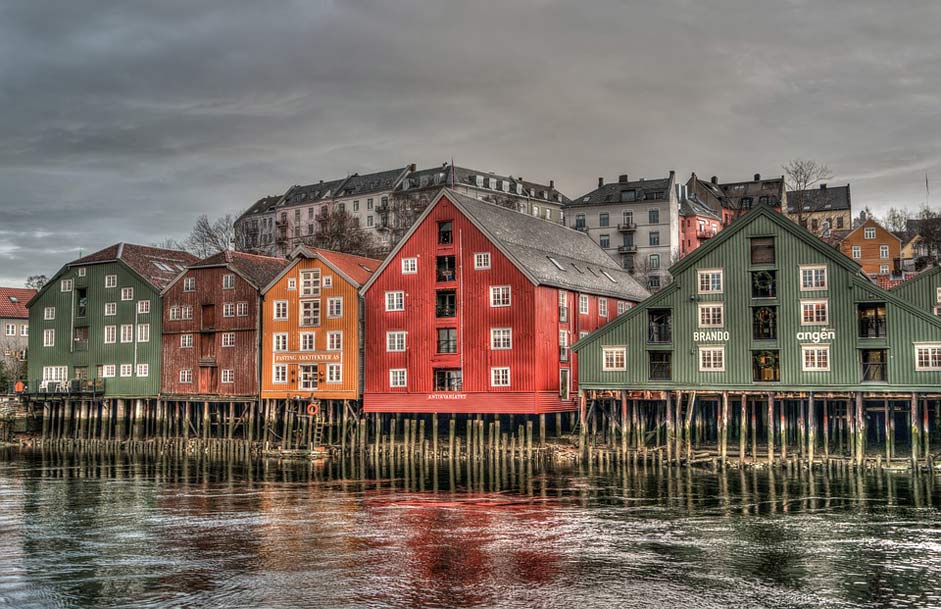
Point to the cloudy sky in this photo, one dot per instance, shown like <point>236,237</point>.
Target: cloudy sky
<point>123,121</point>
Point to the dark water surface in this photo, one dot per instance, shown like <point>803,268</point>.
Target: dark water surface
<point>145,532</point>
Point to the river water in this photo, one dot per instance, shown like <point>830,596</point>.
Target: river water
<point>93,531</point>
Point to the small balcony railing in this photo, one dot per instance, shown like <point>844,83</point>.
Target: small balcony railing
<point>447,345</point>
<point>445,311</point>
<point>872,328</point>
<point>445,275</point>
<point>627,227</point>
<point>705,234</point>
<point>627,249</point>
<point>661,371</point>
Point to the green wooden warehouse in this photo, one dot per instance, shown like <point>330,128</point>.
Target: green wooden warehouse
<point>769,321</point>
<point>95,330</point>
<point>923,290</point>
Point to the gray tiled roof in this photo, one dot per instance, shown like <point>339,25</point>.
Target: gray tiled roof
<point>312,192</point>
<point>439,176</point>
<point>533,243</point>
<point>371,182</point>
<point>820,199</point>
<point>692,206</point>
<point>611,192</point>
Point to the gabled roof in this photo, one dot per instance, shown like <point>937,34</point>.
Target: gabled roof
<point>538,249</point>
<point>261,206</point>
<point>355,269</point>
<point>379,181</point>
<point>297,195</point>
<point>443,175</point>
<point>255,269</point>
<point>871,222</point>
<point>610,193</point>
<point>155,265</point>
<point>782,222</point>
<point>692,206</point>
<point>825,198</point>
<point>13,302</point>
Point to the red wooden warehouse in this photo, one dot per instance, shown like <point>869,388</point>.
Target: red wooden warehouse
<point>475,308</point>
<point>212,326</point>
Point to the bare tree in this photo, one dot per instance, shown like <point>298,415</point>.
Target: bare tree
<point>929,227</point>
<point>896,220</point>
<point>169,244</point>
<point>36,282</point>
<point>337,231</point>
<point>801,176</point>
<point>211,237</point>
<point>12,362</point>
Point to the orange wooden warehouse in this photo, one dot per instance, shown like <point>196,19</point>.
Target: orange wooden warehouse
<point>312,338</point>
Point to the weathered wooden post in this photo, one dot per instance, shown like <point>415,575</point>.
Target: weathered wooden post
<point>860,429</point>
<point>811,429</point>
<point>624,430</point>
<point>724,428</point>
<point>826,430</point>
<point>887,429</point>
<point>669,425</point>
<point>742,428</point>
<point>770,430</point>
<point>687,426</point>
<point>913,423</point>
<point>582,422</point>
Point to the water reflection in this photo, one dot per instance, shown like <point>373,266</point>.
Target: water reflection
<point>112,531</point>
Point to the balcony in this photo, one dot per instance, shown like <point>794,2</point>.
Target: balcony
<point>705,234</point>
<point>627,249</point>
<point>627,227</point>
<point>447,345</point>
<point>208,361</point>
<point>581,227</point>
<point>872,328</point>
<point>660,334</point>
<point>445,311</point>
<point>67,388</point>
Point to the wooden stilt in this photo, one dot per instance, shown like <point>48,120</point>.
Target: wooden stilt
<point>913,423</point>
<point>811,429</point>
<point>770,430</point>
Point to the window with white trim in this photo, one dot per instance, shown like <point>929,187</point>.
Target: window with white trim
<point>143,307</point>
<point>398,377</point>
<point>395,301</point>
<point>395,341</point>
<point>335,307</point>
<point>857,252</point>
<point>241,309</point>
<point>501,338</point>
<point>228,281</point>
<point>65,285</point>
<point>279,374</point>
<point>712,359</point>
<point>55,373</point>
<point>228,309</point>
<point>310,283</point>
<point>81,272</point>
<point>884,252</point>
<point>602,307</point>
<point>328,281</point>
<point>814,312</point>
<point>292,283</point>
<point>111,309</point>
<point>49,338</point>
<point>310,312</point>
<point>111,334</point>
<point>143,333</point>
<point>127,293</point>
<point>228,339</point>
<point>927,357</point>
<point>583,304</point>
<point>711,315</point>
<point>49,313</point>
<point>189,284</point>
<point>335,341</point>
<point>11,329</point>
<point>186,341</point>
<point>280,341</point>
<point>127,333</point>
<point>108,371</point>
<point>883,269</point>
<point>174,311</point>
<point>813,277</point>
<point>710,281</point>
<point>186,312</point>
<point>499,296</point>
<point>623,306</point>
<point>111,281</point>
<point>280,310</point>
<point>869,232</point>
<point>613,359</point>
<point>481,261</point>
<point>409,266</point>
<point>127,370</point>
<point>143,370</point>
<point>24,330</point>
<point>815,358</point>
<point>500,377</point>
<point>308,341</point>
<point>563,345</point>
<point>937,295</point>
<point>334,373</point>
<point>228,376</point>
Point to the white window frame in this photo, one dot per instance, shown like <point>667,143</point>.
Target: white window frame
<point>186,341</point>
<point>335,340</point>
<point>711,350</point>
<point>883,252</point>
<point>813,268</point>
<point>228,339</point>
<point>304,337</point>
<point>109,371</point>
<point>127,370</point>
<point>292,283</point>
<point>702,273</point>
<point>602,307</point>
<point>186,312</point>
<point>335,302</point>
<point>710,305</point>
<point>55,373</point>
<point>143,333</point>
<point>110,334</point>
<point>883,269</point>
<point>334,373</point>
<point>869,232</point>
<point>111,281</point>
<point>409,266</point>
<point>228,309</point>
<point>614,351</point>
<point>310,313</point>
<point>816,301</point>
<point>398,372</point>
<point>327,281</point>
<point>186,376</point>
<point>497,293</point>
<point>49,337</point>
<point>583,304</point>
<point>174,312</point>
<point>310,283</point>
<point>11,329</point>
<point>143,370</point>
<point>49,313</point>
<point>934,353</point>
<point>392,341</point>
<point>189,284</point>
<point>241,309</point>
<point>501,339</point>
<point>228,281</point>
<point>279,342</point>
<point>227,377</point>
<point>143,307</point>
<point>857,252</point>
<point>111,309</point>
<point>280,310</point>
<point>66,285</point>
<point>127,333</point>
<point>395,300</point>
<point>279,374</point>
<point>500,370</point>
<point>821,347</point>
<point>127,293</point>
<point>481,261</point>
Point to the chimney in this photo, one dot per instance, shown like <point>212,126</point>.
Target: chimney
<point>551,183</point>
<point>714,180</point>
<point>823,187</point>
<point>757,177</point>
<point>622,178</point>
<point>411,167</point>
<point>600,182</point>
